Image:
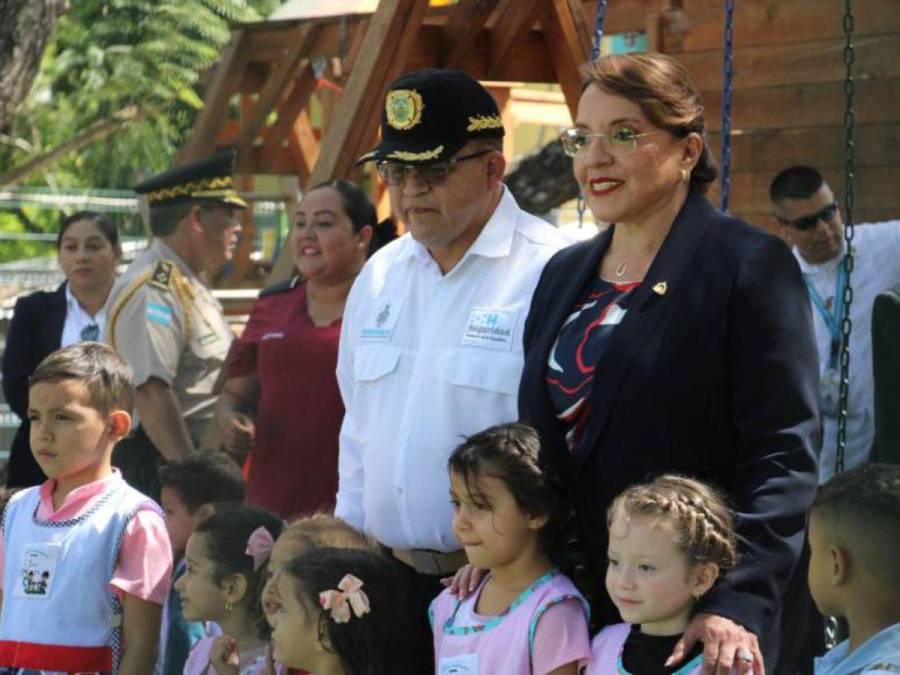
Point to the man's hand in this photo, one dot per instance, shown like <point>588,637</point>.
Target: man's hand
<point>724,644</point>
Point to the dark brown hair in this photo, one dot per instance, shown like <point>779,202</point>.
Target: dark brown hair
<point>860,509</point>
<point>107,378</point>
<point>511,453</point>
<point>204,477</point>
<point>667,96</point>
<point>105,225</point>
<point>697,514</point>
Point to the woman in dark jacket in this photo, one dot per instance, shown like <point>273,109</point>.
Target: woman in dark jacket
<point>678,340</point>
<point>88,251</point>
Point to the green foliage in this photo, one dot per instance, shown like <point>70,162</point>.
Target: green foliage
<point>108,55</point>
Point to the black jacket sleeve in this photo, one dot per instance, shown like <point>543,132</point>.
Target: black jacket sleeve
<point>774,385</point>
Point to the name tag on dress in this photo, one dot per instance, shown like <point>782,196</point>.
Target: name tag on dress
<point>491,328</point>
<point>465,664</point>
<point>380,320</point>
<point>38,570</point>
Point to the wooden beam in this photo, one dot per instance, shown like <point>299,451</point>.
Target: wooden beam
<point>225,83</point>
<point>276,84</point>
<point>566,49</point>
<point>297,100</point>
<point>304,146</point>
<point>463,28</point>
<point>382,55</point>
<point>515,18</point>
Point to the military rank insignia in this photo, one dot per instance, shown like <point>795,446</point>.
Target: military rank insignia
<point>404,108</point>
<point>162,275</point>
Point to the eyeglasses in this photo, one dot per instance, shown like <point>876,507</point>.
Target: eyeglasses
<point>810,221</point>
<point>618,142</point>
<point>90,332</point>
<point>395,174</point>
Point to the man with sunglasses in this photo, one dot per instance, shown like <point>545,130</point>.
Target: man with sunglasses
<point>431,343</point>
<point>806,212</point>
<point>165,322</point>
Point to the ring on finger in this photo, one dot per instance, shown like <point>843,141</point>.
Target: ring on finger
<point>745,655</point>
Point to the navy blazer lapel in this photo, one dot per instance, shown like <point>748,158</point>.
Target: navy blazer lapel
<point>649,306</point>
<point>56,319</point>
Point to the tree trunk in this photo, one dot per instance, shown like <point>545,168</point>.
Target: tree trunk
<point>25,28</point>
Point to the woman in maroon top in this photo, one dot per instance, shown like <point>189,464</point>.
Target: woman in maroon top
<point>280,408</point>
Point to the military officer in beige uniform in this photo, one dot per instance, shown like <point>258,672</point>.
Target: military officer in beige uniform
<point>164,320</point>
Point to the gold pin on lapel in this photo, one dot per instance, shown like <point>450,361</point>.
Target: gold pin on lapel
<point>660,288</point>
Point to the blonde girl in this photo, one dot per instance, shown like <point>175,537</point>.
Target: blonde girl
<point>670,540</point>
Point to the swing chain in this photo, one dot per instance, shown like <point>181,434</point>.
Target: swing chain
<point>728,90</point>
<point>598,29</point>
<point>849,200</point>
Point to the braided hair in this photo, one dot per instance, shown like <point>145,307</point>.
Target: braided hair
<point>697,514</point>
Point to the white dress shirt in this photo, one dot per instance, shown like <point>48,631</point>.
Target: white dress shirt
<point>876,253</point>
<point>425,360</point>
<point>77,319</point>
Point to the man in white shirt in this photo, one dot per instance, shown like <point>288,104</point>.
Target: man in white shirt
<point>431,343</point>
<point>805,209</point>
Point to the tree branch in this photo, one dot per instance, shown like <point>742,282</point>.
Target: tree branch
<point>97,131</point>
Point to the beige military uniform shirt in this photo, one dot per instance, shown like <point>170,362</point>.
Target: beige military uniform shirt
<point>165,322</point>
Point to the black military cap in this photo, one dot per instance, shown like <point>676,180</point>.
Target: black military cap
<point>209,180</point>
<point>430,114</point>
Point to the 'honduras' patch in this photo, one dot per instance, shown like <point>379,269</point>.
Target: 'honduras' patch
<point>158,313</point>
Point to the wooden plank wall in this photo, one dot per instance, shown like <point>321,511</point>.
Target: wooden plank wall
<point>788,104</point>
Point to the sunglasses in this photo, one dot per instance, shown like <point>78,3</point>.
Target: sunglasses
<point>395,174</point>
<point>810,221</point>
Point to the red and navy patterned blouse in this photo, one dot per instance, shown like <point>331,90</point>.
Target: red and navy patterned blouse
<point>581,343</point>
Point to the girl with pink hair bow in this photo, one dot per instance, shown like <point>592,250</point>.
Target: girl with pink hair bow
<point>343,611</point>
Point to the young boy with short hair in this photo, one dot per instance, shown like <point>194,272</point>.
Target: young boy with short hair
<point>854,567</point>
<point>97,546</point>
<point>192,486</point>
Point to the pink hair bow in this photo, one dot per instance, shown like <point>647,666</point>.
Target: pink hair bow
<point>348,596</point>
<point>259,546</point>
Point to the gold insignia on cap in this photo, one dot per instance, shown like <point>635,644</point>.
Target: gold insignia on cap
<point>660,288</point>
<point>367,156</point>
<point>482,122</point>
<point>404,108</point>
<point>405,156</point>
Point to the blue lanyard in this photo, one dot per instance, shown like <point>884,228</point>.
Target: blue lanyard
<point>832,319</point>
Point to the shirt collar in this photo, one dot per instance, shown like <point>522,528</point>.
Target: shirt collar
<point>167,253</point>
<point>494,240</point>
<point>74,307</point>
<point>76,501</point>
<point>884,646</point>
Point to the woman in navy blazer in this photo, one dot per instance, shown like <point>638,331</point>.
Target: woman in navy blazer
<point>678,340</point>
<point>88,250</point>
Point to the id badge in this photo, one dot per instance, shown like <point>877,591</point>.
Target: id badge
<point>464,664</point>
<point>830,392</point>
<point>37,571</point>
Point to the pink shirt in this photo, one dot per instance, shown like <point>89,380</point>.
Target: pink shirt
<point>544,629</point>
<point>144,568</point>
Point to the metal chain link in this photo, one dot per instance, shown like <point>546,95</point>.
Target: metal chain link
<point>849,202</point>
<point>832,627</point>
<point>598,28</point>
<point>727,68</point>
